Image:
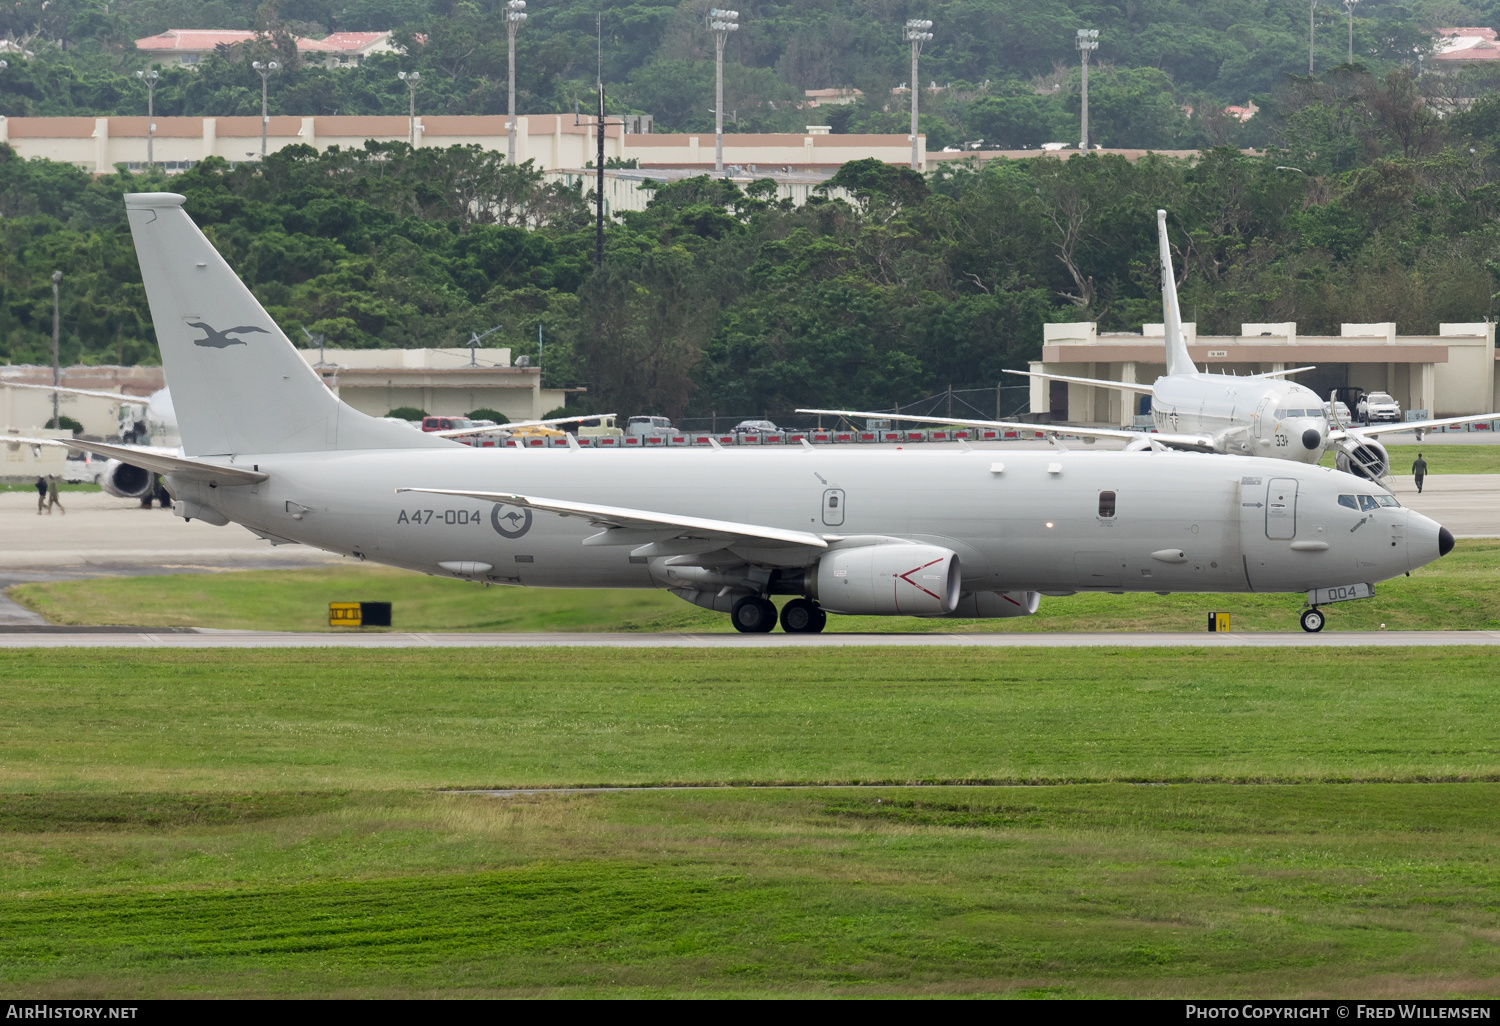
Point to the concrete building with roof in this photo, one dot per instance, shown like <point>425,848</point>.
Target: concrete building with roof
<point>336,50</point>
<point>441,382</point>
<point>1450,374</point>
<point>552,141</point>
<point>1459,46</point>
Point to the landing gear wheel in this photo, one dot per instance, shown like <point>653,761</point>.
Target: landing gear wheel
<point>803,616</point>
<point>753,615</point>
<point>1312,620</point>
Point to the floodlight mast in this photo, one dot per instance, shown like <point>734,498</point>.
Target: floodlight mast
<point>265,119</point>
<point>150,77</point>
<point>1350,4</point>
<point>720,23</point>
<point>1312,9</point>
<point>411,81</point>
<point>515,17</point>
<point>1088,42</point>
<point>916,34</point>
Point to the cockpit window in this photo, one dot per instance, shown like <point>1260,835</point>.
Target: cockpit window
<point>1367,502</point>
<point>1387,500</point>
<point>1349,500</point>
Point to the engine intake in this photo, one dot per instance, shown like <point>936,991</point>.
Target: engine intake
<point>890,580</point>
<point>1363,457</point>
<point>127,482</point>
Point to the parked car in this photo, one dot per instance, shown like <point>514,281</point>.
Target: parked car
<point>646,427</point>
<point>601,428</point>
<point>755,427</point>
<point>446,423</point>
<point>1330,409</point>
<point>83,468</point>
<point>1378,407</point>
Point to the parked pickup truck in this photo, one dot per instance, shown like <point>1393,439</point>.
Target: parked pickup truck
<point>1378,408</point>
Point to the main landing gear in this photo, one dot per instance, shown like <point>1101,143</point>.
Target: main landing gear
<point>755,615</point>
<point>1312,620</point>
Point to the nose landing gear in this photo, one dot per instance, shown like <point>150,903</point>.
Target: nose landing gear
<point>1312,620</point>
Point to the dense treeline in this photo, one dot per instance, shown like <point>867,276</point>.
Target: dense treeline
<point>1009,66</point>
<point>720,299</point>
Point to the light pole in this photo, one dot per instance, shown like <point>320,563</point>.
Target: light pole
<point>1311,29</point>
<point>1350,4</point>
<point>1088,42</point>
<point>916,34</point>
<point>56,335</point>
<point>515,16</point>
<point>720,23</point>
<point>411,81</point>
<point>150,77</point>
<point>265,119</point>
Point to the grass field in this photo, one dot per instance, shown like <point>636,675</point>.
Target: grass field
<point>1454,593</point>
<point>1277,823</point>
<point>1441,459</point>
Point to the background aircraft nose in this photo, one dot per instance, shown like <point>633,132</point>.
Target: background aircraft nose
<point>1311,438</point>
<point>1445,541</point>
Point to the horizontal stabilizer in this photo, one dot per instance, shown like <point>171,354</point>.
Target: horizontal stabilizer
<point>1124,386</point>
<point>637,519</point>
<point>116,396</point>
<point>161,462</point>
<point>1281,373</point>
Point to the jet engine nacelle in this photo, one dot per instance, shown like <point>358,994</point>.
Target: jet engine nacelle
<point>890,580</point>
<point>993,605</point>
<point>1363,457</point>
<point>126,481</point>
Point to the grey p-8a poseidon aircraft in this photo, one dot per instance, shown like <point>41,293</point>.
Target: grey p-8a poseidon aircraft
<point>1239,415</point>
<point>888,531</point>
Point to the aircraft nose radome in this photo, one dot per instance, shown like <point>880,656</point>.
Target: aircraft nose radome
<point>1311,438</point>
<point>1445,541</point>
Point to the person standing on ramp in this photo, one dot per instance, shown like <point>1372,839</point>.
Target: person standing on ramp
<point>52,499</point>
<point>1419,471</point>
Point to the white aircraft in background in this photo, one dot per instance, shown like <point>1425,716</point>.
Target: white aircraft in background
<point>1249,415</point>
<point>874,532</point>
<point>148,424</point>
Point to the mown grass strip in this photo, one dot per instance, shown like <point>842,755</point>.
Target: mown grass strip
<point>174,720</point>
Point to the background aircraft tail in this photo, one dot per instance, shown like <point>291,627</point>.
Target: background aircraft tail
<point>1178,360</point>
<point>238,383</point>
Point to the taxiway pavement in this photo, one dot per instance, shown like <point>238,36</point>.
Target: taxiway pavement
<point>199,638</point>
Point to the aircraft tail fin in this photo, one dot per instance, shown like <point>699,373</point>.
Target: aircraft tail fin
<point>238,383</point>
<point>1178,360</point>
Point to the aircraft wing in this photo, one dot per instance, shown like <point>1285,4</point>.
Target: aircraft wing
<point>1124,386</point>
<point>1157,439</point>
<point>460,432</point>
<point>726,532</point>
<point>117,396</point>
<point>1005,424</point>
<point>1409,425</point>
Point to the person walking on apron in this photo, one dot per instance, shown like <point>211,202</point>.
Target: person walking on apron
<point>41,494</point>
<point>52,499</point>
<point>1419,471</point>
